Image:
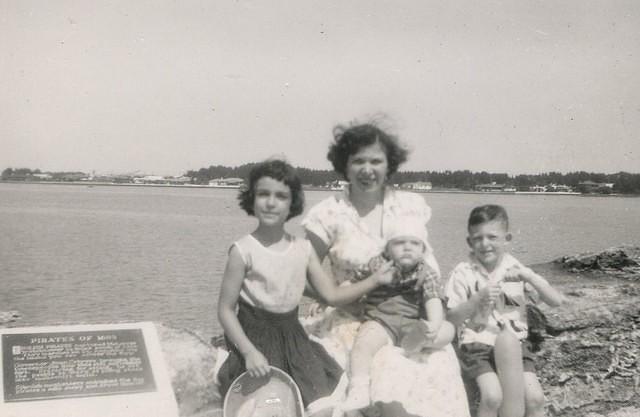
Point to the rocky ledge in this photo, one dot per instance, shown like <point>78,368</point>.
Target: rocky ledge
<point>589,362</point>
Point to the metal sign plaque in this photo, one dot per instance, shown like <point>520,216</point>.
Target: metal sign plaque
<point>68,364</point>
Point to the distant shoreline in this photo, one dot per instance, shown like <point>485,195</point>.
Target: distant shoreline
<point>310,188</point>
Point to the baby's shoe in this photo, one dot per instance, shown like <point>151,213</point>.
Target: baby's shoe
<point>416,338</point>
<point>358,395</point>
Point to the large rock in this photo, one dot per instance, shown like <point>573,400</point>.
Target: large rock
<point>590,361</point>
<point>7,318</point>
<point>616,259</point>
<point>191,365</point>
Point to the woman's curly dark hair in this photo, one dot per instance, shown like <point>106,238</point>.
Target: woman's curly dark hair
<point>348,140</point>
<point>278,170</point>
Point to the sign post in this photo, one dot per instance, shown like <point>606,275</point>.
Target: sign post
<point>85,370</point>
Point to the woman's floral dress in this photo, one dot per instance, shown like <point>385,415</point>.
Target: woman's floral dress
<point>426,384</point>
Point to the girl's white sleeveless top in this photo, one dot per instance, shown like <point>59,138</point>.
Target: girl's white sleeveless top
<point>274,281</point>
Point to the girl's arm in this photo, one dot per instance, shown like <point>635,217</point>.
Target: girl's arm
<point>321,249</point>
<point>318,245</point>
<point>333,294</point>
<point>256,363</point>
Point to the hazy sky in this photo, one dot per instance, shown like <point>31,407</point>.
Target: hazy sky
<point>161,87</point>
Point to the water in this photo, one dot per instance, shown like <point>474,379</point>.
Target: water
<point>77,254</point>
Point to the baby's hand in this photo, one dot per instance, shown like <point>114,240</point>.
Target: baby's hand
<point>431,329</point>
<point>384,274</point>
<point>429,272</point>
<point>257,365</point>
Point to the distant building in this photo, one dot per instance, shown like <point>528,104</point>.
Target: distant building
<point>538,188</point>
<point>42,177</point>
<point>179,180</point>
<point>417,186</point>
<point>558,188</point>
<point>73,176</point>
<point>490,187</point>
<point>150,179</point>
<point>594,187</point>
<point>226,182</point>
<point>337,185</point>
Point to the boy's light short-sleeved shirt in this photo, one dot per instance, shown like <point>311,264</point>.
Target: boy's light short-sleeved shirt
<point>466,279</point>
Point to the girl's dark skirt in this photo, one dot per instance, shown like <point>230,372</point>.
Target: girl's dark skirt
<point>282,340</point>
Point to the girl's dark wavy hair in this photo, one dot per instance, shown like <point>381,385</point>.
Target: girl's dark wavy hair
<point>278,170</point>
<point>347,140</point>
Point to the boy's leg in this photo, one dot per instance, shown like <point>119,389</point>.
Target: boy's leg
<point>534,396</point>
<point>490,394</point>
<point>508,359</point>
<point>370,339</point>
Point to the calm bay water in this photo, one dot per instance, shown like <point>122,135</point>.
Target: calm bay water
<point>77,254</point>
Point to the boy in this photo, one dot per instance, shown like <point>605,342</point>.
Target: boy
<point>486,298</point>
<point>408,312</point>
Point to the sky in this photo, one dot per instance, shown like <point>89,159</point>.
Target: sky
<point>162,87</point>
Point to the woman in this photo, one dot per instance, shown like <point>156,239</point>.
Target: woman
<point>350,229</point>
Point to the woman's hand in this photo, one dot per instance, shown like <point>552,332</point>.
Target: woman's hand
<point>384,274</point>
<point>257,365</point>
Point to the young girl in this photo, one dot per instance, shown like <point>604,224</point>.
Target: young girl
<point>262,286</point>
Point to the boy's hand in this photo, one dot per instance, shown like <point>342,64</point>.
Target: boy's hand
<point>489,294</point>
<point>384,274</point>
<point>257,365</point>
<point>519,273</point>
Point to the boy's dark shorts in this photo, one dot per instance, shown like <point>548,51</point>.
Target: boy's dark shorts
<point>477,359</point>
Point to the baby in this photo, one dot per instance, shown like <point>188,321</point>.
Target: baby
<point>408,312</point>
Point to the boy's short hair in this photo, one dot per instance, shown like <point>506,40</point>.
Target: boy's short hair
<point>278,170</point>
<point>487,213</point>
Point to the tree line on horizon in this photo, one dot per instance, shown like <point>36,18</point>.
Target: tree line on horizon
<point>624,182</point>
